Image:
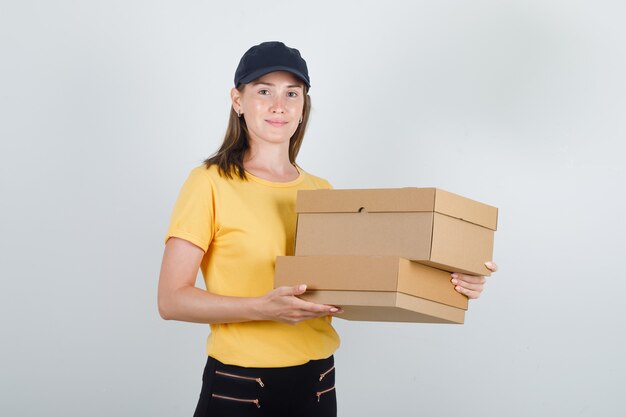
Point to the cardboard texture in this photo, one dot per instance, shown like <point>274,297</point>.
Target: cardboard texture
<point>386,306</point>
<point>375,288</point>
<point>427,225</point>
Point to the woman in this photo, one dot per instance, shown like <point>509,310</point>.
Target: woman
<point>270,353</point>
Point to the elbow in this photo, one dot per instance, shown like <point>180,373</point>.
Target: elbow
<point>172,304</point>
<point>164,315</point>
<point>165,311</point>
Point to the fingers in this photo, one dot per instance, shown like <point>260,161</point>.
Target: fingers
<point>469,285</point>
<point>302,304</point>
<point>313,307</point>
<point>491,266</point>
<point>296,290</point>
<point>306,312</point>
<point>322,308</point>
<point>285,306</point>
<point>469,279</point>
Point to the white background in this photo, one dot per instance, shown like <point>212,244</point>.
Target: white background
<point>106,106</point>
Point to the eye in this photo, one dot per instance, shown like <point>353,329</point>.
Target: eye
<point>292,94</point>
<point>264,92</point>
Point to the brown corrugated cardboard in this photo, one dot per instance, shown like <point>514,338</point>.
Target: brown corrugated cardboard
<point>396,289</point>
<point>427,225</point>
<point>386,306</point>
<point>368,273</point>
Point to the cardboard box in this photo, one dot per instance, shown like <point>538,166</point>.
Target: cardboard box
<point>386,306</point>
<point>427,225</point>
<point>375,288</point>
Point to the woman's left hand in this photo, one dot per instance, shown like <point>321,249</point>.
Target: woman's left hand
<point>471,285</point>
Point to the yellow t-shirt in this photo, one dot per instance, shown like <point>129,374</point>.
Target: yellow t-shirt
<point>243,226</point>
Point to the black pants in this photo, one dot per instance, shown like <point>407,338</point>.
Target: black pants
<point>296,391</point>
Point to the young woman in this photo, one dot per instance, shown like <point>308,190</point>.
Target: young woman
<point>269,352</point>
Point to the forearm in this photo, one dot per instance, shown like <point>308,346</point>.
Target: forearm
<point>196,305</point>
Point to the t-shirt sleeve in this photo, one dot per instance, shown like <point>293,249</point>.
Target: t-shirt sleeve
<point>324,184</point>
<point>193,217</point>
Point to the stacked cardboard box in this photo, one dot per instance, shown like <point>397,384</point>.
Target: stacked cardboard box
<point>387,254</point>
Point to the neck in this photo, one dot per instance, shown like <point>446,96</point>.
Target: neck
<point>270,161</point>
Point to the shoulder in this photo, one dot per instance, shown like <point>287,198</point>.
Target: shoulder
<point>201,173</point>
<point>200,179</point>
<point>318,182</point>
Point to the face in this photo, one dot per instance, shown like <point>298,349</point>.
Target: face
<point>272,106</point>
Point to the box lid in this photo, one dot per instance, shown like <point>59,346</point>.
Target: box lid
<point>408,199</point>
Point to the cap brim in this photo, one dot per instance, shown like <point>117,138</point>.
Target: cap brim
<point>261,72</point>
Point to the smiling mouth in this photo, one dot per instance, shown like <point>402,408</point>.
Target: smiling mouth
<point>276,122</point>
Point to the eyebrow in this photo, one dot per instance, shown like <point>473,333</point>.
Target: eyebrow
<point>274,85</point>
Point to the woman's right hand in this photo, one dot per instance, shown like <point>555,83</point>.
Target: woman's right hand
<point>283,305</point>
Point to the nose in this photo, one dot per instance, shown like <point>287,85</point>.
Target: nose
<point>278,105</point>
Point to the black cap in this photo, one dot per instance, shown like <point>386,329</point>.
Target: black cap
<point>269,57</point>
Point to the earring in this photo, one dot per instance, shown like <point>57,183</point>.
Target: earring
<point>300,119</point>
<point>238,112</point>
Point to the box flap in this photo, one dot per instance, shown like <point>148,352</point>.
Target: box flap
<point>430,283</point>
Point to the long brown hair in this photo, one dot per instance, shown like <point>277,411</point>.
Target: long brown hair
<point>229,157</point>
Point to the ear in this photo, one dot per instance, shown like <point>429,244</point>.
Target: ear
<point>235,98</point>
